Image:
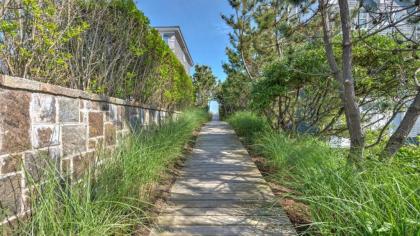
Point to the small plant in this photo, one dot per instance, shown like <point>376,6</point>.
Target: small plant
<point>247,125</point>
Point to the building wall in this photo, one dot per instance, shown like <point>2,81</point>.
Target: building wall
<point>181,56</point>
<point>397,121</point>
<point>176,48</point>
<point>404,27</point>
<point>41,123</point>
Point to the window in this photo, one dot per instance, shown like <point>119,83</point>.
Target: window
<point>166,38</point>
<point>362,19</point>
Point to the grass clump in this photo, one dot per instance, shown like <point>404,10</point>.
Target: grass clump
<point>114,198</point>
<point>247,125</point>
<point>383,199</point>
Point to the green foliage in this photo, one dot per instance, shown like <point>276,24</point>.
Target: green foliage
<point>105,46</point>
<point>297,91</point>
<point>116,197</point>
<point>293,85</point>
<point>410,156</point>
<point>33,42</point>
<point>380,200</point>
<point>247,125</point>
<point>204,83</point>
<point>234,93</point>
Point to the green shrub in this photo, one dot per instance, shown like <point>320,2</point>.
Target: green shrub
<point>103,46</point>
<point>247,124</point>
<point>114,198</point>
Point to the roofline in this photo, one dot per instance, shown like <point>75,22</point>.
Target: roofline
<point>177,29</point>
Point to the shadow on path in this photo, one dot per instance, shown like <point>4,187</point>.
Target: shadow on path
<point>221,192</point>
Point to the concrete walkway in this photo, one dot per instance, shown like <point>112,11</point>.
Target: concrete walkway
<point>221,192</point>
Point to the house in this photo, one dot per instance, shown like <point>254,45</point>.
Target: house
<point>172,35</point>
<point>376,14</point>
<point>371,15</point>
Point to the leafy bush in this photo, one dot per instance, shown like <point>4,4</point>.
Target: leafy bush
<point>247,124</point>
<point>114,198</point>
<point>103,46</point>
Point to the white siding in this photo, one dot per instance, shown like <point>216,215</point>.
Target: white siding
<point>404,27</point>
<point>177,50</point>
<point>416,129</point>
<point>397,121</point>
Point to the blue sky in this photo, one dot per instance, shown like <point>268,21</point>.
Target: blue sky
<point>201,25</point>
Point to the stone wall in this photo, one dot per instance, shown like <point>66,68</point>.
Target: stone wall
<point>67,126</point>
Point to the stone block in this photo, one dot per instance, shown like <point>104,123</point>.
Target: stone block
<point>20,83</point>
<point>74,139</point>
<point>11,227</point>
<point>104,106</point>
<point>100,143</point>
<point>54,89</point>
<point>66,167</point>
<point>10,163</point>
<point>38,164</point>
<point>92,106</point>
<point>133,111</point>
<point>142,116</point>
<point>158,117</point>
<point>10,195</point>
<point>124,116</point>
<point>115,116</point>
<point>96,124</point>
<point>92,144</point>
<point>107,117</point>
<point>30,195</point>
<point>113,112</point>
<point>14,121</point>
<point>82,117</point>
<point>68,110</point>
<point>146,120</point>
<point>82,163</point>
<point>96,143</point>
<point>45,136</point>
<point>110,134</point>
<point>135,122</point>
<point>43,108</point>
<point>152,117</point>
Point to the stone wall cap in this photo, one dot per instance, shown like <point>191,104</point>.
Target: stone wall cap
<point>18,83</point>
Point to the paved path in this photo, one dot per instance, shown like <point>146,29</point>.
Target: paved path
<point>221,192</point>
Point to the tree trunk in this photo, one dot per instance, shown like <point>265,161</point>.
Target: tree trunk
<point>345,79</point>
<point>351,107</point>
<point>398,138</point>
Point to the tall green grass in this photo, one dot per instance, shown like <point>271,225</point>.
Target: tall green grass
<point>247,125</point>
<point>383,199</point>
<point>114,198</point>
